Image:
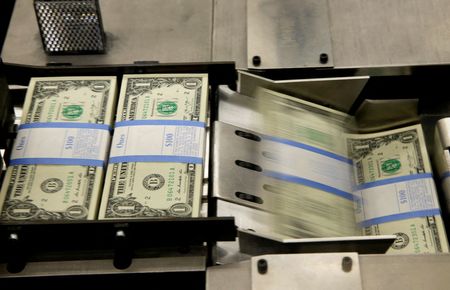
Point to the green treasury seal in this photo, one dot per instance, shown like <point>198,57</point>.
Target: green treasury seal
<point>167,107</point>
<point>391,166</point>
<point>72,111</point>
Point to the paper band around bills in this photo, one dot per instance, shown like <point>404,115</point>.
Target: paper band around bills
<point>61,143</point>
<point>396,199</point>
<point>158,141</point>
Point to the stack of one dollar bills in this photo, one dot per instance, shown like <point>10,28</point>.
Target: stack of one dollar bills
<point>56,168</point>
<point>386,176</point>
<point>156,160</point>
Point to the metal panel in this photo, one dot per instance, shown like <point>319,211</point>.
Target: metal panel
<point>339,93</point>
<point>96,267</point>
<point>385,32</point>
<point>233,276</point>
<point>413,272</point>
<point>230,178</point>
<point>230,32</point>
<point>290,33</point>
<point>306,272</point>
<point>157,30</point>
<point>254,243</point>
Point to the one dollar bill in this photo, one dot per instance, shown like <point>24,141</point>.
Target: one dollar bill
<point>397,154</point>
<point>142,189</point>
<point>55,192</point>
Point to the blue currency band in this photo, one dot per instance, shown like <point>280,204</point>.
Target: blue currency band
<point>310,183</point>
<point>393,180</point>
<point>156,158</point>
<point>400,216</point>
<point>65,125</point>
<point>309,148</point>
<point>160,122</point>
<point>57,161</point>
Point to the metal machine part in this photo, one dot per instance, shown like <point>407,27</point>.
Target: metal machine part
<point>371,271</point>
<point>163,261</point>
<point>358,34</point>
<point>286,34</point>
<point>339,92</point>
<point>272,272</point>
<point>235,183</point>
<point>443,129</point>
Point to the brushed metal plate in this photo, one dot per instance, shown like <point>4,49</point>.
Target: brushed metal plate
<point>307,271</point>
<point>288,34</point>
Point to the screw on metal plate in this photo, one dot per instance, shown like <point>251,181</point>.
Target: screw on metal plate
<point>323,58</point>
<point>347,264</point>
<point>256,60</point>
<point>262,266</point>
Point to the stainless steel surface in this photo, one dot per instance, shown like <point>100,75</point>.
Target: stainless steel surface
<point>338,93</point>
<point>378,115</point>
<point>235,276</point>
<point>247,218</point>
<point>354,33</point>
<point>287,34</point>
<point>92,267</point>
<point>258,243</point>
<point>157,30</point>
<point>412,272</point>
<point>307,271</point>
<point>230,178</point>
<point>384,32</point>
<point>230,31</point>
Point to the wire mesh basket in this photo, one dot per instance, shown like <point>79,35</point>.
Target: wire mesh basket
<point>70,26</point>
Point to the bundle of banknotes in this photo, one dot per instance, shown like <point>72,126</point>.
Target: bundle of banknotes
<point>382,181</point>
<point>156,160</point>
<point>56,168</point>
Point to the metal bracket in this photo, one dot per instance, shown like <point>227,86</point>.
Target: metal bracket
<point>286,34</point>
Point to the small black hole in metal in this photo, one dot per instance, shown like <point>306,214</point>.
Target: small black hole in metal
<point>323,58</point>
<point>248,197</point>
<point>256,60</point>
<point>248,165</point>
<point>347,264</point>
<point>247,135</point>
<point>262,266</point>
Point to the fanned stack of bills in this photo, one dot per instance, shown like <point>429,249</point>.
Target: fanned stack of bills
<point>305,158</point>
<point>56,168</point>
<point>156,160</point>
<point>389,177</point>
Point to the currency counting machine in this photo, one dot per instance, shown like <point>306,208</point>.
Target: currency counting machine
<point>203,253</point>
